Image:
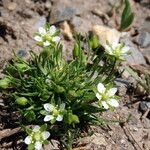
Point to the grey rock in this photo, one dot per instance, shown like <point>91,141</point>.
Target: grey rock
<point>39,23</point>
<point>144,105</point>
<point>136,57</point>
<point>61,14</point>
<point>122,86</point>
<point>22,53</point>
<point>143,39</point>
<point>145,26</point>
<point>80,25</point>
<point>146,54</point>
<point>4,13</point>
<point>148,104</point>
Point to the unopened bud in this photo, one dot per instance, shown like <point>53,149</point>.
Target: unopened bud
<point>94,42</point>
<point>4,83</point>
<point>21,67</point>
<point>76,51</point>
<point>21,101</point>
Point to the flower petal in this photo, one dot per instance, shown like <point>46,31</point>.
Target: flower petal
<point>38,38</point>
<point>125,49</point>
<point>42,31</point>
<point>38,145</point>
<point>48,118</point>
<point>98,96</point>
<point>113,102</point>
<point>108,49</point>
<point>36,128</point>
<point>28,140</point>
<point>101,88</point>
<point>45,135</point>
<point>115,45</point>
<point>56,39</point>
<point>52,30</point>
<point>112,91</point>
<point>48,107</point>
<point>105,105</point>
<point>62,106</point>
<point>59,118</point>
<point>46,43</point>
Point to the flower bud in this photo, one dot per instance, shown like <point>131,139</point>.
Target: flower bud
<point>76,51</point>
<point>21,101</point>
<point>94,42</point>
<point>48,37</point>
<point>21,67</point>
<point>72,93</point>
<point>58,88</point>
<point>4,83</point>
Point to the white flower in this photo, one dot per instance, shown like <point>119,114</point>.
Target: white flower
<point>59,118</point>
<point>56,39</point>
<point>52,30</point>
<point>47,36</point>
<point>46,43</point>
<point>45,135</point>
<point>28,140</point>
<point>62,106</point>
<point>49,107</point>
<point>106,96</point>
<point>54,113</point>
<point>48,118</point>
<point>38,38</point>
<point>42,31</point>
<point>38,145</point>
<point>37,137</point>
<point>117,49</point>
<point>36,128</point>
<point>105,105</point>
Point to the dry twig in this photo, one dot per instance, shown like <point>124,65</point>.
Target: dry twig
<point>9,132</point>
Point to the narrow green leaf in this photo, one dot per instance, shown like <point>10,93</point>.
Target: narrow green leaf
<point>30,115</point>
<point>31,147</point>
<point>43,127</point>
<point>46,142</point>
<point>127,16</point>
<point>28,130</point>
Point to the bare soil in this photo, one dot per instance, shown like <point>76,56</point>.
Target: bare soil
<point>19,19</point>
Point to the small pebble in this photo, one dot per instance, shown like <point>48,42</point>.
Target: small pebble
<point>144,105</point>
<point>12,6</point>
<point>144,39</point>
<point>22,53</point>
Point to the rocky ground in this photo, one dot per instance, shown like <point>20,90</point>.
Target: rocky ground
<point>19,19</point>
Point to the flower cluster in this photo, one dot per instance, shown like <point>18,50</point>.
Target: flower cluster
<point>47,36</point>
<point>106,96</point>
<point>37,137</point>
<point>60,92</point>
<point>118,50</point>
<point>54,113</point>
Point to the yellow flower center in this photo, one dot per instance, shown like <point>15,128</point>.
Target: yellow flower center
<point>37,136</point>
